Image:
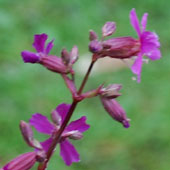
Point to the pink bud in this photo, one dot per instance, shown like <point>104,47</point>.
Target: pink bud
<point>28,135</point>
<point>74,134</point>
<point>115,111</point>
<point>65,56</point>
<point>92,35</point>
<point>22,162</point>
<point>74,55</point>
<point>56,118</point>
<point>95,46</point>
<point>121,47</point>
<point>27,132</point>
<point>111,91</point>
<point>108,29</point>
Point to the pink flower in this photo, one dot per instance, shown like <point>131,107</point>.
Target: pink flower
<point>73,131</point>
<point>149,43</point>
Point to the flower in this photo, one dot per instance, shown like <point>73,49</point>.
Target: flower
<point>73,131</point>
<point>41,56</point>
<point>39,45</point>
<point>149,43</point>
<point>22,162</point>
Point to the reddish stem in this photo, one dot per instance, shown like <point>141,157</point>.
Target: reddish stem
<point>43,166</point>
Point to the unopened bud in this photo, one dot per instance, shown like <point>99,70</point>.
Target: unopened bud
<point>92,35</point>
<point>108,29</point>
<point>65,56</point>
<point>74,55</point>
<point>111,91</point>
<point>27,133</point>
<point>95,46</point>
<point>56,118</point>
<point>76,135</point>
<point>115,111</point>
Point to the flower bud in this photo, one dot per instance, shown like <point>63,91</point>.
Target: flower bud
<point>121,47</point>
<point>92,35</point>
<point>95,46</point>
<point>115,111</point>
<point>54,64</point>
<point>108,29</point>
<point>56,118</point>
<point>111,91</point>
<point>22,162</point>
<point>65,56</point>
<point>74,134</point>
<point>74,55</point>
<point>27,133</point>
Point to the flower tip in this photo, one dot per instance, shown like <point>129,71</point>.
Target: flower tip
<point>126,123</point>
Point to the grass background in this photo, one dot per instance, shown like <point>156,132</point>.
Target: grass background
<point>26,88</point>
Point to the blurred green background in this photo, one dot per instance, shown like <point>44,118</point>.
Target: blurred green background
<point>26,89</point>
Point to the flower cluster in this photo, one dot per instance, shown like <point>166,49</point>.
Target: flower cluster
<point>60,131</point>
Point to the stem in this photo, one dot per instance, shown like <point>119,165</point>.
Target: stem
<point>43,166</point>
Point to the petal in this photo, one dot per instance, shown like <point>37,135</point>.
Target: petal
<point>46,144</point>
<point>68,153</point>
<point>150,39</point>
<point>22,162</point>
<point>63,109</point>
<point>30,57</point>
<point>137,67</point>
<point>144,21</point>
<point>79,125</point>
<point>49,47</point>
<point>39,42</point>
<point>41,124</point>
<point>134,21</point>
<point>155,54</point>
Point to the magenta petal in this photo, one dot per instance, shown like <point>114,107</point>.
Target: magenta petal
<point>79,125</point>
<point>63,109</point>
<point>137,67</point>
<point>30,57</point>
<point>41,123</point>
<point>46,144</point>
<point>134,21</point>
<point>49,47</point>
<point>39,42</point>
<point>150,39</point>
<point>68,153</point>
<point>144,21</point>
<point>22,162</point>
<point>155,54</point>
